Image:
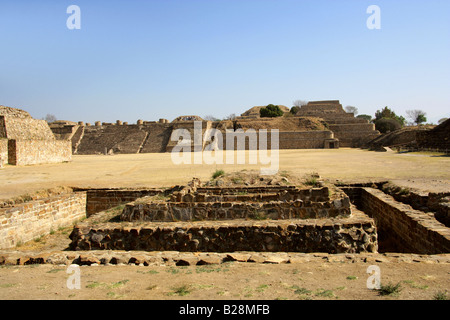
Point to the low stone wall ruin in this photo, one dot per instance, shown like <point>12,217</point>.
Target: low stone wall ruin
<point>346,235</point>
<point>410,230</point>
<point>104,199</point>
<point>34,219</point>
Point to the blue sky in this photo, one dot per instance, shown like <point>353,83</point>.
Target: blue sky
<point>164,58</point>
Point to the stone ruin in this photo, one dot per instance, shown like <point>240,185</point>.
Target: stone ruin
<point>342,129</point>
<point>238,218</point>
<point>200,223</point>
<point>27,141</point>
<point>350,131</point>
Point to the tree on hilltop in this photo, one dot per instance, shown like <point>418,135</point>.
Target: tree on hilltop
<point>416,116</point>
<point>50,118</point>
<point>351,109</point>
<point>389,114</point>
<point>270,111</point>
<point>299,103</point>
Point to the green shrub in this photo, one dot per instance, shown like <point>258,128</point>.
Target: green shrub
<point>389,289</point>
<point>218,173</point>
<point>385,125</point>
<point>270,111</point>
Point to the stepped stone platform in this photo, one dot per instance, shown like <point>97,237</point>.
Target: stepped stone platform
<point>216,219</point>
<point>345,235</point>
<point>213,203</point>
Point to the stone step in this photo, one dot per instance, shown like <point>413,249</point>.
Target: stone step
<point>344,235</point>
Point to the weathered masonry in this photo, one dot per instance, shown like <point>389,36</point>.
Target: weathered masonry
<point>33,219</point>
<point>196,218</point>
<point>26,141</point>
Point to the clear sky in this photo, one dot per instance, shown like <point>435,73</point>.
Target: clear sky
<point>156,59</point>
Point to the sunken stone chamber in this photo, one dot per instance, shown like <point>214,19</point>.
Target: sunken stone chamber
<point>228,219</point>
<point>239,203</point>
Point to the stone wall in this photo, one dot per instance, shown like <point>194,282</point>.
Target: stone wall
<point>188,211</point>
<point>28,152</point>
<point>435,202</point>
<point>34,219</point>
<point>152,137</point>
<point>351,131</point>
<point>111,139</point>
<point>3,152</point>
<point>31,141</point>
<point>348,235</point>
<point>437,138</point>
<point>410,230</point>
<point>304,139</point>
<point>144,137</point>
<point>26,129</point>
<point>286,139</point>
<point>103,199</point>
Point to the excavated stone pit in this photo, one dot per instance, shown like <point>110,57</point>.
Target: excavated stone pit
<point>218,220</point>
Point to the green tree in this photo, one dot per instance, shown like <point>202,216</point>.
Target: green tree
<point>385,125</point>
<point>270,111</point>
<point>389,114</point>
<point>417,116</point>
<point>294,109</point>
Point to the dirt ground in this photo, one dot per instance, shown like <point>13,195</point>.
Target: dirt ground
<point>255,281</point>
<point>230,281</point>
<point>157,170</point>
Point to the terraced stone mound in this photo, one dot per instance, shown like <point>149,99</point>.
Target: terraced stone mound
<point>199,218</point>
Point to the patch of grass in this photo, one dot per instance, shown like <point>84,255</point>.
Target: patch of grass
<point>173,270</point>
<point>55,270</point>
<point>218,173</point>
<point>389,289</point>
<point>118,284</point>
<point>352,277</point>
<point>7,285</point>
<point>440,295</point>
<point>312,179</point>
<point>302,291</point>
<point>324,293</point>
<point>113,295</point>
<point>262,287</point>
<point>94,285</point>
<point>412,284</point>
<point>183,290</point>
<point>113,285</point>
<point>148,272</point>
<point>209,269</point>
